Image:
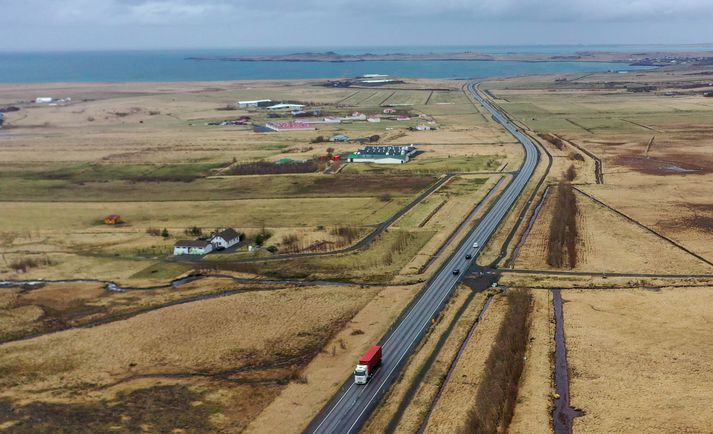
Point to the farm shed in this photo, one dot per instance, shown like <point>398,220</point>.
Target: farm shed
<point>190,247</point>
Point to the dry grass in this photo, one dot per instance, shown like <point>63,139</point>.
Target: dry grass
<point>639,360</point>
<point>157,157</point>
<point>298,404</point>
<point>206,337</point>
<point>424,373</point>
<point>608,243</point>
<point>494,403</point>
<point>450,413</point>
<point>595,112</point>
<point>533,407</point>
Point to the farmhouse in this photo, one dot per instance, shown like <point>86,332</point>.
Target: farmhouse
<point>289,126</point>
<point>225,239</point>
<point>255,103</point>
<point>383,154</point>
<point>190,247</point>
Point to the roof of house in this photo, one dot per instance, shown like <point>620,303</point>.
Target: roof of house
<point>284,105</point>
<point>192,243</point>
<point>227,234</point>
<point>256,101</point>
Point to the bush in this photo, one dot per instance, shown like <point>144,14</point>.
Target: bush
<point>24,264</point>
<point>165,233</point>
<point>272,249</point>
<point>385,197</point>
<point>563,228</point>
<point>495,400</point>
<point>262,237</point>
<point>195,231</point>
<point>155,232</point>
<point>267,168</point>
<point>570,174</point>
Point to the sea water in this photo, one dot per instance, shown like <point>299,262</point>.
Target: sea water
<point>175,65</point>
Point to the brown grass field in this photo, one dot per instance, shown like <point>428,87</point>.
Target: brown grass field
<point>145,151</point>
<point>640,360</point>
<point>83,368</point>
<point>220,356</point>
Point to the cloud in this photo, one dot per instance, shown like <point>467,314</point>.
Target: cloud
<point>179,11</point>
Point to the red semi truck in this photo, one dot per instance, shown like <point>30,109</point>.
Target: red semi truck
<point>368,364</point>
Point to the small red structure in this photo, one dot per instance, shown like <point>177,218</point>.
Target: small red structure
<point>336,157</point>
<point>112,219</point>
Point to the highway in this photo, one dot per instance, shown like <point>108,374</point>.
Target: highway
<point>351,407</point>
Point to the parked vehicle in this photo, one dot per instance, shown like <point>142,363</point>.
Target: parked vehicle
<point>367,366</point>
<point>456,271</point>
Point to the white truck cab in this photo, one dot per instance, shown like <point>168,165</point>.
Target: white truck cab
<point>361,374</point>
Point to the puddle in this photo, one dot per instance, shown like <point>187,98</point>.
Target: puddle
<point>563,414</point>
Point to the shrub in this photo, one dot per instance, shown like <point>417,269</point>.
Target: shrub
<point>267,168</point>
<point>563,228</point>
<point>495,400</point>
<point>576,156</point>
<point>262,237</point>
<point>165,233</point>
<point>195,231</point>
<point>570,174</point>
<point>155,232</point>
<point>24,264</point>
<point>385,197</point>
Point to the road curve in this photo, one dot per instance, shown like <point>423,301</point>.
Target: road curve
<point>351,407</point>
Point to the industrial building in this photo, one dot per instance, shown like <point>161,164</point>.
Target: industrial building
<point>282,106</point>
<point>255,103</point>
<point>383,154</point>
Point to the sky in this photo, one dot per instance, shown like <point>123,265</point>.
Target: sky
<point>150,24</point>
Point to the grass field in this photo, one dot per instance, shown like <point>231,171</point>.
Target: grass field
<point>146,152</point>
<point>199,348</point>
<point>625,347</point>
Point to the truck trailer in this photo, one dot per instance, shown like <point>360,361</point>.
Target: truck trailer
<point>367,366</point>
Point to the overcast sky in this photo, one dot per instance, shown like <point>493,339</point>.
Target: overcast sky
<point>139,24</point>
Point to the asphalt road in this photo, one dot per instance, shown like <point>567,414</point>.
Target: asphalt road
<point>351,407</point>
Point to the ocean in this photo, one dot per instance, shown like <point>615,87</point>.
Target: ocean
<point>173,65</point>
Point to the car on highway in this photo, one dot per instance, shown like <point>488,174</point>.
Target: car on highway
<point>468,256</point>
<point>475,245</point>
<point>456,271</point>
